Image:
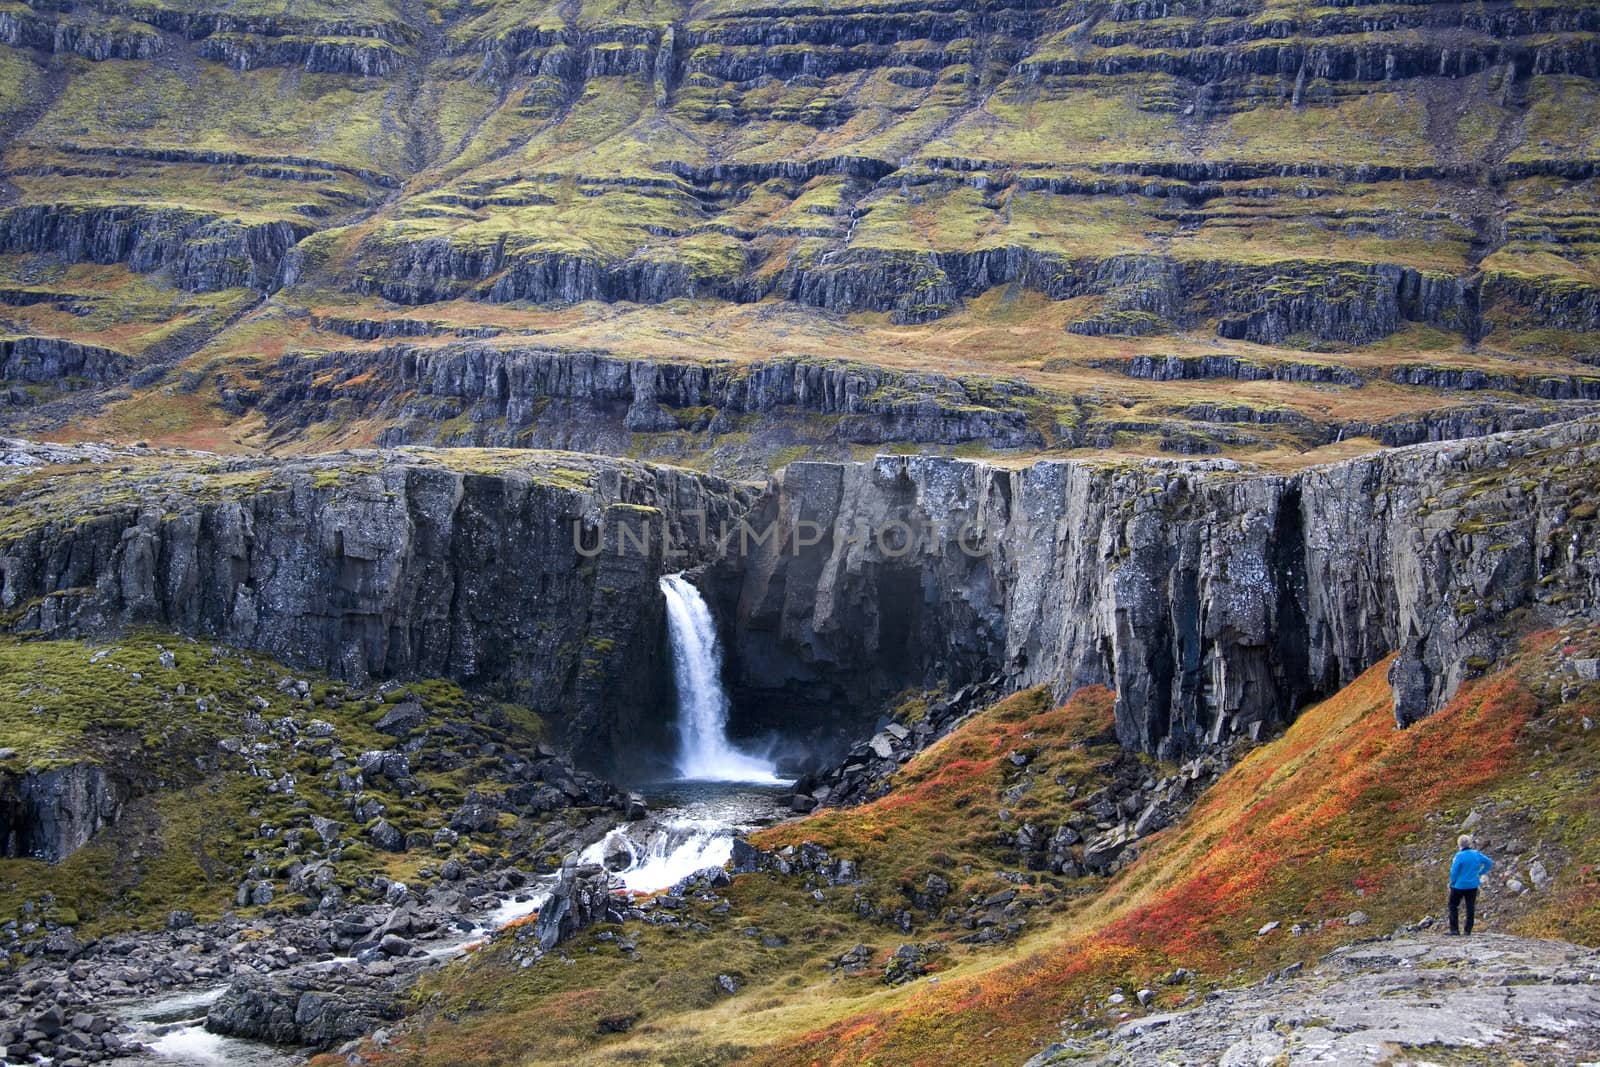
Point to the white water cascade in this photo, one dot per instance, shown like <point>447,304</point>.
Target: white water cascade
<point>654,857</point>
<point>704,752</point>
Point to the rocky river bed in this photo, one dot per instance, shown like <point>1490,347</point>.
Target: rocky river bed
<point>295,980</point>
<point>268,991</point>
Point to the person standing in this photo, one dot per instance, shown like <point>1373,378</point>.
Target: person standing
<point>1466,872</point>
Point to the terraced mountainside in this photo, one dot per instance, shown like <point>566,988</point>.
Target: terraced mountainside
<point>1251,227</point>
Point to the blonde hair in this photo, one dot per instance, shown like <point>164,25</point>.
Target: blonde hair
<point>1464,841</point>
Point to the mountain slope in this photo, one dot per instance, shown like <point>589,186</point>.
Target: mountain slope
<point>997,190</point>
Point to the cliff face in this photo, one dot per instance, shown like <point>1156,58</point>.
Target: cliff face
<point>513,576</point>
<point>50,361</point>
<point>496,392</point>
<point>1212,600</point>
<point>49,814</point>
<point>510,395</point>
<point>201,251</point>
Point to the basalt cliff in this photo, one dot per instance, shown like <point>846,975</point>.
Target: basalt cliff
<point>1215,601</point>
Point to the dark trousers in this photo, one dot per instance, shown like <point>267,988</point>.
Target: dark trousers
<point>1456,897</point>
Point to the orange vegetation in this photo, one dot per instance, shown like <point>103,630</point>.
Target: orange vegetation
<point>1305,830</point>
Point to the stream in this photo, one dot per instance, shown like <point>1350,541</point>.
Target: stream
<point>692,825</point>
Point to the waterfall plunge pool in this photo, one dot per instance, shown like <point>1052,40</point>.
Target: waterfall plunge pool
<point>723,792</point>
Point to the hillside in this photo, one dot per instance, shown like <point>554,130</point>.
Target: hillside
<point>739,235</point>
<point>1333,834</point>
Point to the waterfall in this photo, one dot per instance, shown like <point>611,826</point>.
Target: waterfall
<point>704,752</point>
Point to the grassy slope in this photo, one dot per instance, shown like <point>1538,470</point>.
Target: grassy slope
<point>186,843</point>
<point>1343,813</point>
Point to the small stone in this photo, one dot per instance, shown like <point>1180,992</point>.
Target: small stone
<point>1145,997</point>
<point>386,836</point>
<point>1267,929</point>
<point>1472,819</point>
<point>727,984</point>
<point>1116,998</point>
<point>1537,874</point>
<point>394,945</point>
<point>635,808</point>
<point>1514,885</point>
<point>327,829</point>
<point>1356,918</point>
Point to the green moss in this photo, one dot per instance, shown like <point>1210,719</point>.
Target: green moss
<point>187,838</point>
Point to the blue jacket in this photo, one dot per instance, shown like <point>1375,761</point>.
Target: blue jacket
<point>1468,867</point>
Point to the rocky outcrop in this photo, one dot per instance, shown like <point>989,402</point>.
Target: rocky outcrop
<point>1237,368</point>
<point>498,395</point>
<point>533,577</point>
<point>1298,302</point>
<point>97,41</point>
<point>286,1013</point>
<point>1464,379</point>
<point>50,814</point>
<point>203,252</point>
<point>501,394</point>
<point>1457,996</point>
<point>581,897</point>
<point>60,363</point>
<point>370,58</point>
<point>1545,386</point>
<point>1214,601</point>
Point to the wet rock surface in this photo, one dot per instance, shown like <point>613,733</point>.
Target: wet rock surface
<point>1426,995</point>
<point>296,980</point>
